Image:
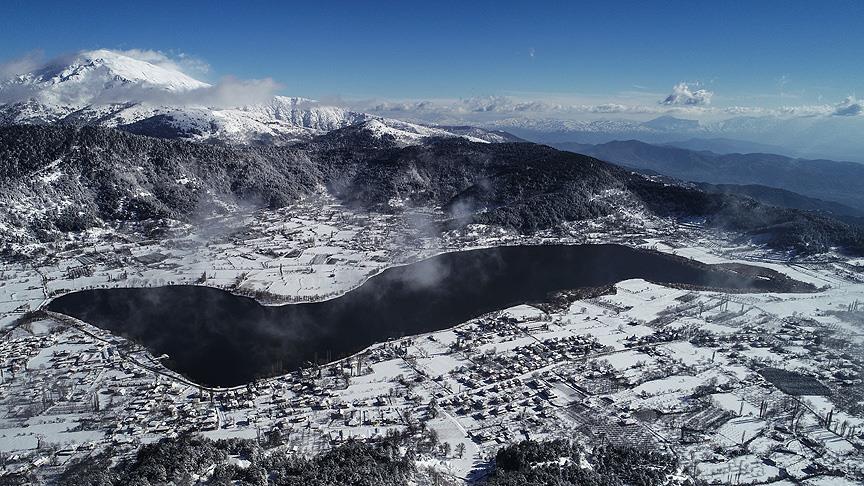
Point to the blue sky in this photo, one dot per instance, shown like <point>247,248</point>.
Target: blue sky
<point>754,53</point>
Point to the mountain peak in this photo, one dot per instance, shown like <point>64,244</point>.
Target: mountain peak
<point>102,76</point>
<point>111,68</point>
<point>670,123</point>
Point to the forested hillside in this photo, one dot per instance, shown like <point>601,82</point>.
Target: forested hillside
<point>60,178</point>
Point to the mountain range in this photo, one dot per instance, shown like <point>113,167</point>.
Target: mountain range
<point>106,138</point>
<point>109,89</point>
<point>835,137</point>
<point>828,180</point>
<point>60,178</point>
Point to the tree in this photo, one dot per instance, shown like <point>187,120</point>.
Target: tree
<point>274,437</point>
<point>433,408</point>
<point>460,449</point>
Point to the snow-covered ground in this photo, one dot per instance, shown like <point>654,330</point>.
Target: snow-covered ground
<point>668,368</point>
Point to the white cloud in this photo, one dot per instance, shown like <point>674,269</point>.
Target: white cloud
<point>182,62</point>
<point>229,92</point>
<point>682,94</point>
<point>849,107</point>
<point>24,64</point>
<point>485,108</point>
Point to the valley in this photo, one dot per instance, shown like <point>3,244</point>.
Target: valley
<point>600,247</point>
<point>628,362</point>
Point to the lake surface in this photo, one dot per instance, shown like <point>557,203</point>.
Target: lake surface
<point>220,339</point>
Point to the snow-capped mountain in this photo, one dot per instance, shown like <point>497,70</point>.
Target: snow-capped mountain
<point>404,133</point>
<point>109,88</point>
<point>280,119</point>
<point>94,75</point>
<point>88,87</point>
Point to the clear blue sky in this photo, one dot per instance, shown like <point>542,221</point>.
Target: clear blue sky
<point>441,49</point>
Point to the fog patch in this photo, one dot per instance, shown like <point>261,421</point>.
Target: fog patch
<point>230,92</point>
<point>20,65</point>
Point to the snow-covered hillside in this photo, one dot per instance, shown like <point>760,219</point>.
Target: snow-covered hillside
<point>92,75</point>
<point>279,120</point>
<point>88,87</point>
<point>405,133</point>
<point>112,89</point>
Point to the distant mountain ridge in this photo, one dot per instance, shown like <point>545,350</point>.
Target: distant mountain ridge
<point>828,180</point>
<point>729,146</point>
<point>833,137</point>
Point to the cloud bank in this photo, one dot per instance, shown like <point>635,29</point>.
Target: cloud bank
<point>849,107</point>
<point>484,109</point>
<point>24,64</point>
<point>229,92</point>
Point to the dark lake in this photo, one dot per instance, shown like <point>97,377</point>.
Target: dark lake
<point>220,339</point>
